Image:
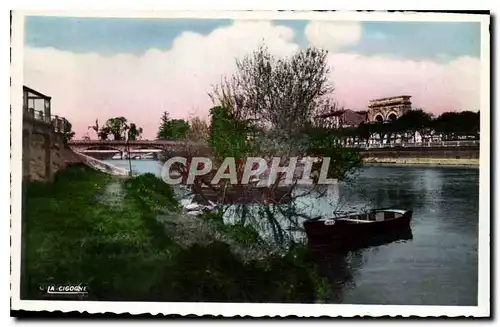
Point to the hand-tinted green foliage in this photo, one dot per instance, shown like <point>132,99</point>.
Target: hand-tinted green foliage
<point>118,128</point>
<point>175,129</point>
<point>450,125</point>
<point>75,232</point>
<point>343,161</point>
<point>239,232</point>
<point>228,136</point>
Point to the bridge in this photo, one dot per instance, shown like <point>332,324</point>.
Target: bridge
<point>109,148</point>
<point>123,148</point>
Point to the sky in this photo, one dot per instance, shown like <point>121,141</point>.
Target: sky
<point>97,68</point>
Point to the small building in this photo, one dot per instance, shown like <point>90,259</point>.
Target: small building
<point>36,105</point>
<point>43,138</point>
<point>344,118</point>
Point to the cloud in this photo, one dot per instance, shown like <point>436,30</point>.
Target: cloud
<point>89,86</point>
<point>333,35</point>
<point>434,86</point>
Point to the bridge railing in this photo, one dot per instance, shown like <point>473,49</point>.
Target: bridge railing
<point>57,122</point>
<point>133,142</point>
<point>441,144</point>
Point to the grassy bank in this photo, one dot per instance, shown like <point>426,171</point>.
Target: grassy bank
<point>450,162</point>
<point>91,228</point>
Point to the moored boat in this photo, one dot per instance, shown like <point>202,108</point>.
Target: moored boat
<point>358,230</point>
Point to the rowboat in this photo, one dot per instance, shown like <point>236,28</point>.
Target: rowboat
<point>359,230</point>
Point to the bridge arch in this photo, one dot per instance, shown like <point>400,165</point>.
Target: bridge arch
<point>100,147</point>
<point>392,116</point>
<point>148,147</point>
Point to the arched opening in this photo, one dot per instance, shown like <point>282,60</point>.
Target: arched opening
<point>101,148</point>
<point>102,152</point>
<point>145,152</point>
<point>379,118</point>
<point>392,116</point>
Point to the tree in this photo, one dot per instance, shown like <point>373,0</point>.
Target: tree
<point>134,132</point>
<point>364,132</point>
<point>418,121</point>
<point>228,136</point>
<point>117,127</point>
<point>95,128</point>
<point>172,128</point>
<point>163,132</point>
<point>198,131</point>
<point>104,133</point>
<point>278,95</point>
<point>446,125</point>
<point>267,108</point>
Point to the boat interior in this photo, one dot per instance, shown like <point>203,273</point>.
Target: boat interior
<point>373,216</point>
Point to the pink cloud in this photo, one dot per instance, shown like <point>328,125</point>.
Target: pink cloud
<point>89,86</point>
<point>435,87</point>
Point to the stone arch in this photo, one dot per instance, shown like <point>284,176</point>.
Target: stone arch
<point>101,147</point>
<point>147,147</point>
<point>378,118</point>
<point>391,116</point>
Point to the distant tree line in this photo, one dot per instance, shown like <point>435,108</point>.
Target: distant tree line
<point>118,129</point>
<point>195,129</point>
<point>449,126</point>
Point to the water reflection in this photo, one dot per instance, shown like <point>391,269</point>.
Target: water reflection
<point>437,265</point>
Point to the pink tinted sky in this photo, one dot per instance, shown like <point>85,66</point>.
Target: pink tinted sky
<point>86,86</point>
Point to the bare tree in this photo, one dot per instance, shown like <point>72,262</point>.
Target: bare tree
<point>280,96</point>
<point>281,101</point>
<point>198,130</point>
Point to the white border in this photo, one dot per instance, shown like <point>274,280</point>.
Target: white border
<point>232,309</point>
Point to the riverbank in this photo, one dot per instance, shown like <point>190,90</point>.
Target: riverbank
<point>445,162</point>
<point>128,240</point>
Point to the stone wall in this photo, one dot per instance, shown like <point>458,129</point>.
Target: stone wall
<point>43,151</point>
<point>471,152</point>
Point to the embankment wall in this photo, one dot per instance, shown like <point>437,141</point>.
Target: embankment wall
<point>43,151</point>
<point>471,152</point>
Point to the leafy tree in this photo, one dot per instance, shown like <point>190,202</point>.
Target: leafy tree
<point>134,132</point>
<point>104,133</point>
<point>455,124</point>
<point>418,121</point>
<point>468,124</point>
<point>172,128</point>
<point>277,95</point>
<point>228,136</point>
<point>267,108</point>
<point>364,132</point>
<point>381,129</point>
<point>117,127</point>
<point>163,132</point>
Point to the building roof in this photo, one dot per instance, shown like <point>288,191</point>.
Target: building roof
<point>35,92</point>
<point>347,116</point>
<point>391,98</point>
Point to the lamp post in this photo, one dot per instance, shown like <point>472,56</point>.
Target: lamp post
<point>128,152</point>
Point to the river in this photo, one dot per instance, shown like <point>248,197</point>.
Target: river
<point>438,266</point>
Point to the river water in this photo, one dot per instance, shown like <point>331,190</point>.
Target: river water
<point>438,266</point>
